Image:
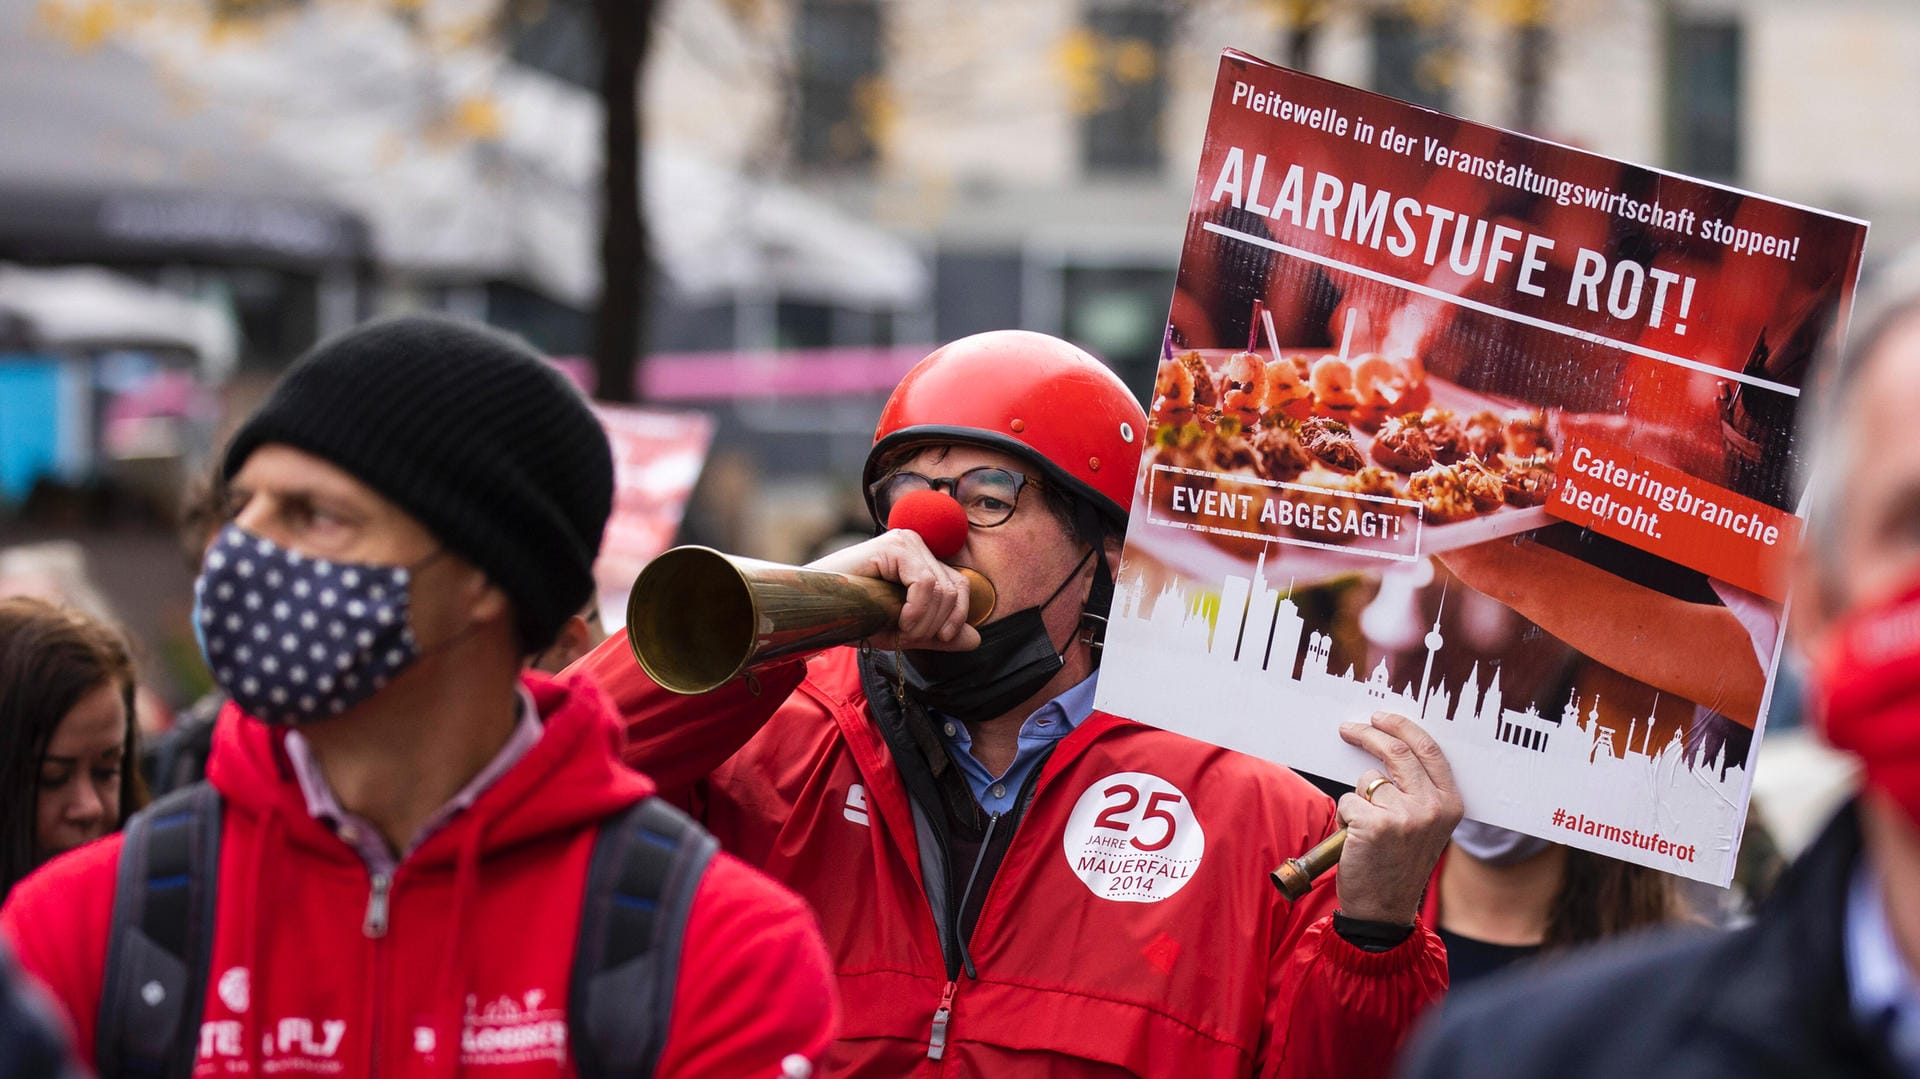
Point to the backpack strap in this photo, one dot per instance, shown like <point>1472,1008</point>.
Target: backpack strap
<point>161,940</point>
<point>647,863</point>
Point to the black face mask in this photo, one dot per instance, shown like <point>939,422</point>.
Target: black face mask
<point>1015,658</point>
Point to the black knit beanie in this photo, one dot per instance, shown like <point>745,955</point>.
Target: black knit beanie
<point>473,435</point>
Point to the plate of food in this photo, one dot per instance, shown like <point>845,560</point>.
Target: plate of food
<point>1336,438</point>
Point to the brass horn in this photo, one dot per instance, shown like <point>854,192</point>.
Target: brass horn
<point>696,617</point>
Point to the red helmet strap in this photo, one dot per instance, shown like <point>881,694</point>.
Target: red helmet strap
<point>1093,616</point>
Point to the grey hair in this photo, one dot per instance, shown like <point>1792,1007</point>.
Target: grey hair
<point>1831,438</point>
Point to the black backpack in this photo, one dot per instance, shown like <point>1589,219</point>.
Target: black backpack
<point>647,861</point>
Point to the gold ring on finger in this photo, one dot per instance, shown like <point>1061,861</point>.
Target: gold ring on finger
<point>1374,786</point>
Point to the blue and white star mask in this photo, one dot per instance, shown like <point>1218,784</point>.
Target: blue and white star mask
<point>294,639</point>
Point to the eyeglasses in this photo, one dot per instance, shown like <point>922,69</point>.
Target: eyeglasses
<point>988,494</point>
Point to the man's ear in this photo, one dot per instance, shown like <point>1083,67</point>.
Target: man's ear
<point>575,640</point>
<point>487,602</point>
<point>1115,543</point>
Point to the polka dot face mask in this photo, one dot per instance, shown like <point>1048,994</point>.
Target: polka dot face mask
<point>294,639</point>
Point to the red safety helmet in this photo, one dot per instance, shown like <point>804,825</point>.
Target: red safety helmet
<point>1028,394</point>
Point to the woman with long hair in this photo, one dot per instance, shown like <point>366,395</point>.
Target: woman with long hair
<point>67,735</point>
<point>1499,897</point>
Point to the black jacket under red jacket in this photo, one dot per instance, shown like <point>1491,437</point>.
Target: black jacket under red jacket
<point>1763,1001</point>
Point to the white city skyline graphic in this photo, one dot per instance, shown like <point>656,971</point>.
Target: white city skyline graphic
<point>1219,665</point>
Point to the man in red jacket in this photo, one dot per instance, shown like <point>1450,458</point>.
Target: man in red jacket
<point>1010,882</point>
<point>407,819</point>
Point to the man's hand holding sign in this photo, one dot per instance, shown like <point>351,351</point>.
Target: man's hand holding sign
<point>1397,820</point>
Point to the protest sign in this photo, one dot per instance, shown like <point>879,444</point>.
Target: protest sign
<point>1488,431</point>
<point>657,457</point>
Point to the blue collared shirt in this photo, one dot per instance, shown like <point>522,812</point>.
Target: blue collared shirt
<point>1882,989</point>
<point>1048,724</point>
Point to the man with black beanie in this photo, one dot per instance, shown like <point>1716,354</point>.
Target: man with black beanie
<point>428,858</point>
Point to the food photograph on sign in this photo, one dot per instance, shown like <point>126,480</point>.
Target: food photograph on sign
<point>1488,431</point>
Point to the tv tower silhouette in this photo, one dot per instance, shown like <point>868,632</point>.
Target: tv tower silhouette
<point>1433,642</point>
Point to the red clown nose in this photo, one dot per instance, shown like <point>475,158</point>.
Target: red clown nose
<point>936,516</point>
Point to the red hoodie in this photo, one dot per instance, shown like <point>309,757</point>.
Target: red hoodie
<point>1130,930</point>
<point>471,974</point>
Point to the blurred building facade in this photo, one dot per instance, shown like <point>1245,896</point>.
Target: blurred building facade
<point>1041,151</point>
<point>833,185</point>
<point>863,177</point>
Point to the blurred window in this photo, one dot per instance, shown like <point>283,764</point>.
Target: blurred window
<point>279,313</point>
<point>837,57</point>
<point>1124,73</point>
<point>1119,313</point>
<point>798,324</point>
<point>975,291</point>
<point>683,326</point>
<point>1703,96</point>
<point>1411,60</point>
<point>560,37</point>
<point>808,324</point>
<point>550,326</point>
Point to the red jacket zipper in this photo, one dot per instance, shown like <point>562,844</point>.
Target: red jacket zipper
<point>937,1041</point>
<point>374,927</point>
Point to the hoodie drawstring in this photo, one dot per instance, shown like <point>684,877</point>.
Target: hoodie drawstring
<point>453,966</point>
<point>268,838</point>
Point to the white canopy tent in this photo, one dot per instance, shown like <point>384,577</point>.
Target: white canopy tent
<point>88,308</point>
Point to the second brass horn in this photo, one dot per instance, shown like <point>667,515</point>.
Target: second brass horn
<point>696,617</point>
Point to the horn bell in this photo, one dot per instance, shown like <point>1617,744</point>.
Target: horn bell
<point>697,618</point>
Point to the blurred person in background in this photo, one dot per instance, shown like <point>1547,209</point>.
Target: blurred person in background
<point>853,523</point>
<point>578,637</point>
<point>33,1040</point>
<point>177,756</point>
<point>1500,897</point>
<point>918,789</point>
<point>68,741</point>
<point>412,856</point>
<point>1826,980</point>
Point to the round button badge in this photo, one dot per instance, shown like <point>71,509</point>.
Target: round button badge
<point>1133,838</point>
